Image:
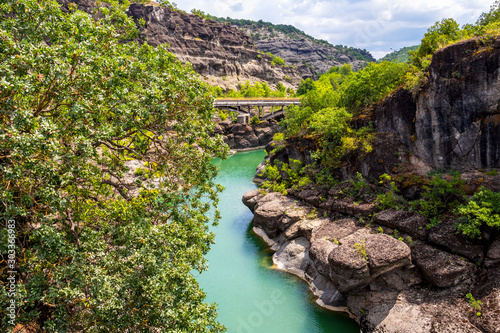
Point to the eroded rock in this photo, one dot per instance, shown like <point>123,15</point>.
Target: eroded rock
<point>440,268</point>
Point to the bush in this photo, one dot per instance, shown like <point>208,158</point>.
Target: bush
<point>482,210</point>
<point>441,196</point>
<point>255,120</point>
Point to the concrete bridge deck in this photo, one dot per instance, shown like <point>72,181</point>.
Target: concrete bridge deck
<point>243,106</point>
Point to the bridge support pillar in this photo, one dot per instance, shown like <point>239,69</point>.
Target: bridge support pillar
<point>242,119</point>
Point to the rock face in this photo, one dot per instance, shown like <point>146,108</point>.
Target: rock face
<point>246,136</point>
<point>454,120</point>
<point>222,54</point>
<point>388,284</point>
<point>311,57</point>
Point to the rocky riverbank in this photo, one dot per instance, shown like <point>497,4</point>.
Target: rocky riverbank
<point>240,137</point>
<point>397,269</point>
<point>392,273</point>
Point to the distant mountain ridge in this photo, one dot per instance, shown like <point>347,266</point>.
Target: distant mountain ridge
<point>223,52</point>
<point>401,55</point>
<point>295,47</point>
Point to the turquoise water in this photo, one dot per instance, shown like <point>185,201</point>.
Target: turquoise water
<point>250,296</point>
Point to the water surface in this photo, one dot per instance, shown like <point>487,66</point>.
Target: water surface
<point>250,296</point>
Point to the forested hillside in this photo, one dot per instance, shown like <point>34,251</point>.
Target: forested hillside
<point>401,55</point>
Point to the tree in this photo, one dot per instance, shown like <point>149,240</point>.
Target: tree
<point>98,249</point>
<point>440,34</point>
<point>305,86</point>
<point>493,16</point>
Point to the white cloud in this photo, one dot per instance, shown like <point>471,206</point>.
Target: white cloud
<point>376,25</point>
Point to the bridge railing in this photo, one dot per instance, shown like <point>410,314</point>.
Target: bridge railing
<point>256,101</point>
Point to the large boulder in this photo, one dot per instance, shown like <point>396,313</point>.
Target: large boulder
<point>445,235</point>
<point>363,256</point>
<point>441,268</point>
<point>411,223</point>
<point>293,256</point>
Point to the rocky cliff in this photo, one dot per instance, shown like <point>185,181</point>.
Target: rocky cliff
<point>222,54</point>
<point>311,56</point>
<point>453,122</point>
<point>338,239</point>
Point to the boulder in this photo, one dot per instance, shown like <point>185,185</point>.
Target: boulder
<point>353,209</point>
<point>251,198</point>
<point>362,256</point>
<point>445,235</point>
<point>293,256</point>
<point>411,223</point>
<point>386,253</point>
<point>493,255</point>
<point>442,269</point>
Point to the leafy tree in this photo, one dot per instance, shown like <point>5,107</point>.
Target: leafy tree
<point>440,34</point>
<point>371,84</point>
<point>493,16</point>
<point>305,86</point>
<point>99,250</point>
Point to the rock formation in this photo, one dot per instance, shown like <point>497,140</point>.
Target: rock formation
<point>414,283</point>
<point>311,57</point>
<point>417,280</point>
<point>223,55</point>
<point>247,136</point>
<point>454,120</point>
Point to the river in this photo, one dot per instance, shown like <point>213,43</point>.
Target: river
<point>251,296</point>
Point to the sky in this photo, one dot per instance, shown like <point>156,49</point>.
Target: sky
<point>379,26</point>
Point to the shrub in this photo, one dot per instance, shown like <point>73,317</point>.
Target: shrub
<point>441,196</point>
<point>482,210</point>
<point>255,120</point>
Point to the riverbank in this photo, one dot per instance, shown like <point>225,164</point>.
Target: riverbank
<point>395,274</point>
<point>250,296</point>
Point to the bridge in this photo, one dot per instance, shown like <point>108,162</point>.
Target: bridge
<point>265,107</point>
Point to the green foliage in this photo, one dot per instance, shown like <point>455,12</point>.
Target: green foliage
<point>283,176</point>
<point>390,198</point>
<point>361,249</point>
<point>475,304</point>
<point>371,84</point>
<point>305,86</point>
<point>440,34</point>
<point>312,215</point>
<point>401,55</point>
<point>255,120</point>
<point>258,89</point>
<point>330,124</point>
<point>441,196</point>
<point>276,60</point>
<point>482,210</point>
<point>222,115</point>
<point>358,184</point>
<point>491,17</point>
<point>199,13</point>
<point>96,250</point>
<point>279,137</point>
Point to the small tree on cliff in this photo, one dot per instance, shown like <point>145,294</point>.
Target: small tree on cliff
<point>98,251</point>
